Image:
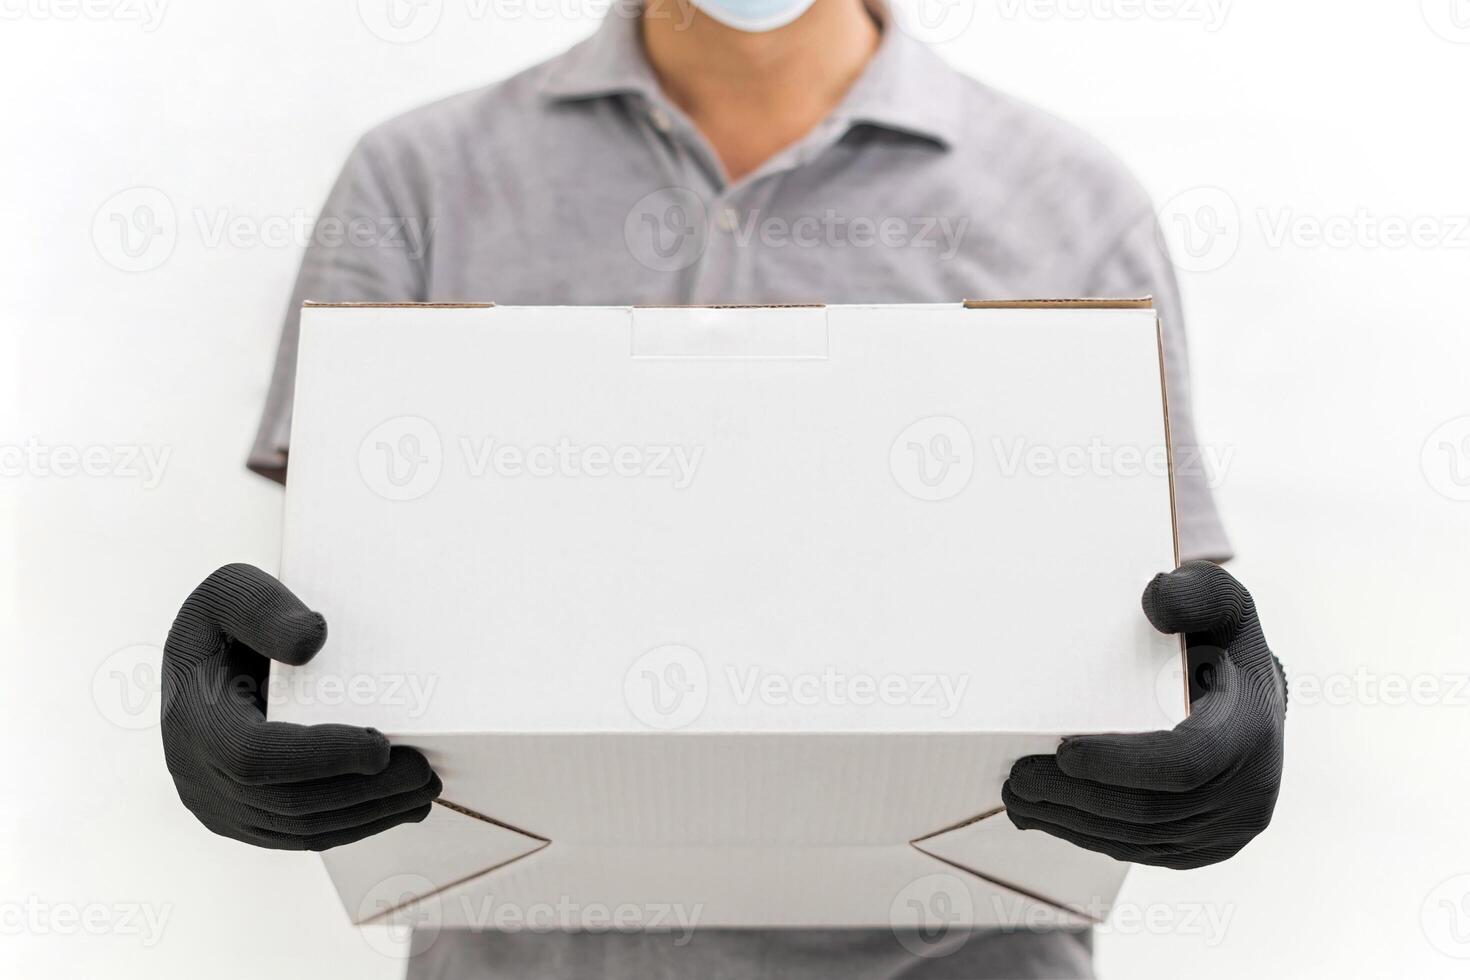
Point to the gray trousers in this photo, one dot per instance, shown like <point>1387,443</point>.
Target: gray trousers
<point>724,954</point>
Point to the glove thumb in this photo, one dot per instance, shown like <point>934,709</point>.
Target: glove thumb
<point>242,603</point>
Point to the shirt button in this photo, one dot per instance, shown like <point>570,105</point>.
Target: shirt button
<point>727,219</point>
<point>660,119</point>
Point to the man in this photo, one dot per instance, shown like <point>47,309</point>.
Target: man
<point>735,151</point>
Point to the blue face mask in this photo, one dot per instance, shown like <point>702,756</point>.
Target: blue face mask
<point>754,15</point>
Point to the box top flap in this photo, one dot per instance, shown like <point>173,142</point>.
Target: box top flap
<point>314,304</point>
<point>912,526</point>
<point>1096,303</point>
<point>1141,303</point>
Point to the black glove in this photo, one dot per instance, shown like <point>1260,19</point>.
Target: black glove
<point>293,787</point>
<point>1191,796</point>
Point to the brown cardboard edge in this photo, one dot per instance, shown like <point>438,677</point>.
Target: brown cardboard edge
<point>1173,492</point>
<point>729,306</point>
<point>1138,303</point>
<point>466,811</point>
<point>314,304</point>
<point>1063,907</point>
<point>491,820</point>
<point>1141,303</point>
<point>993,812</point>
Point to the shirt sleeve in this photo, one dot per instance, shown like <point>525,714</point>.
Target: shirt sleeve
<point>1138,264</point>
<point>365,247</point>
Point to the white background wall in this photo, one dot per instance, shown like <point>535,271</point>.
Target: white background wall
<point>1327,369</point>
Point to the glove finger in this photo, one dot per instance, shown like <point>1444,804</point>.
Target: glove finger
<point>1185,832</point>
<point>270,752</point>
<point>1198,598</point>
<point>261,837</point>
<point>336,838</point>
<point>1198,750</point>
<point>242,602</point>
<point>1038,779</point>
<point>1163,856</point>
<point>407,771</point>
<point>346,818</point>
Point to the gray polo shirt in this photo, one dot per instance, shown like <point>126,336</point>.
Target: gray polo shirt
<point>578,182</point>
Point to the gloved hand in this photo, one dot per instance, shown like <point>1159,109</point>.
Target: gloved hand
<point>292,787</point>
<point>1191,796</point>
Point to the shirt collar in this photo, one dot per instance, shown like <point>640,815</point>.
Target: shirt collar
<point>906,88</point>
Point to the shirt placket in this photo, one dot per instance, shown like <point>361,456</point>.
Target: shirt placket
<point>728,266</point>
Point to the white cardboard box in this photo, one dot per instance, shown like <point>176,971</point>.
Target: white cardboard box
<point>738,615</point>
